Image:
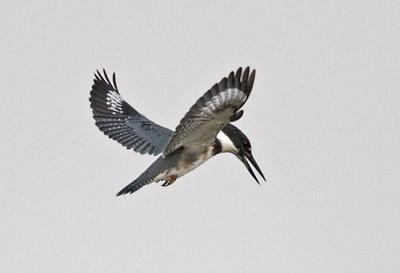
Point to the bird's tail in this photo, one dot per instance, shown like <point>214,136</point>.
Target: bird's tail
<point>139,182</point>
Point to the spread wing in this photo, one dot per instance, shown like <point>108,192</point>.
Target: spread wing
<point>216,108</point>
<point>121,122</point>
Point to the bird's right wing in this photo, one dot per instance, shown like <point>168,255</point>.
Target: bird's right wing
<point>121,122</point>
<point>213,111</point>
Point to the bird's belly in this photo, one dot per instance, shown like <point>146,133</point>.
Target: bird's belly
<point>184,168</point>
<point>189,160</point>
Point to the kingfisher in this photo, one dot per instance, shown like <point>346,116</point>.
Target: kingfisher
<point>205,131</point>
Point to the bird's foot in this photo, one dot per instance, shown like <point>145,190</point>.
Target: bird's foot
<point>170,180</point>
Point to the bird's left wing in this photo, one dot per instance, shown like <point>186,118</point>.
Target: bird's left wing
<point>214,110</point>
<point>121,122</point>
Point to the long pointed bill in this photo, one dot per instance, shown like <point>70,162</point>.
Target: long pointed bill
<point>254,163</point>
<point>243,159</point>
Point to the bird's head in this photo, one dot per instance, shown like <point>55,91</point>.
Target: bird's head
<point>232,140</point>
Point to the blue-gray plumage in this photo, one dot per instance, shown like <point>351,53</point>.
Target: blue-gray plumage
<point>204,131</point>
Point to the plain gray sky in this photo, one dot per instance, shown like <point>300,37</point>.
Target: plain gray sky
<point>323,119</point>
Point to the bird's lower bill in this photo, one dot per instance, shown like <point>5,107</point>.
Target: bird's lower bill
<point>249,157</point>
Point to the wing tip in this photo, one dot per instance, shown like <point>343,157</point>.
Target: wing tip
<point>102,78</point>
<point>250,82</point>
<point>247,80</point>
<point>230,80</point>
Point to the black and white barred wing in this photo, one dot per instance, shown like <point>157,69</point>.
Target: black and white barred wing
<point>214,110</point>
<point>121,122</point>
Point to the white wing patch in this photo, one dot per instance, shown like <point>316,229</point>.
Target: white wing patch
<point>114,102</point>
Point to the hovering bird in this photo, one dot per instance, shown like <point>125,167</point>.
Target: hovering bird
<point>204,131</point>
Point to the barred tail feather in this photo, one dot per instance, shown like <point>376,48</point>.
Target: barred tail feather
<point>141,181</point>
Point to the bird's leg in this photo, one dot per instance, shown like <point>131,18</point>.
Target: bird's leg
<point>170,180</point>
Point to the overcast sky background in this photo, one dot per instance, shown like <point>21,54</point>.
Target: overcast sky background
<point>323,120</point>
